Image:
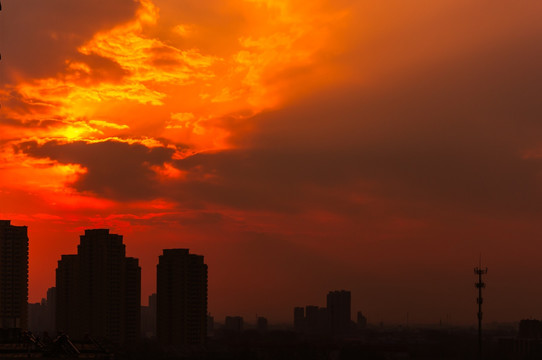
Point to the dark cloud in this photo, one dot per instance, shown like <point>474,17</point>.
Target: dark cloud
<point>115,170</point>
<point>443,176</point>
<point>32,123</point>
<point>449,135</point>
<point>23,106</point>
<point>100,70</point>
<point>39,36</point>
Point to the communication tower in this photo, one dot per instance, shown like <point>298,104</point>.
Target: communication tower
<point>480,300</point>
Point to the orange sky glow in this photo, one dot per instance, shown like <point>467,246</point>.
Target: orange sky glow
<point>301,146</point>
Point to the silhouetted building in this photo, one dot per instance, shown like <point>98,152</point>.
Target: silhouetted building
<point>362,321</point>
<point>153,304</point>
<point>37,317</point>
<point>334,319</point>
<point>312,319</point>
<point>131,313</point>
<point>51,311</point>
<point>99,290</point>
<point>210,325</point>
<point>316,320</point>
<point>323,320</point>
<point>68,297</point>
<point>261,324</point>
<point>299,319</point>
<point>234,324</point>
<point>148,318</point>
<point>528,344</point>
<point>530,329</point>
<point>181,298</point>
<point>41,315</point>
<point>13,276</point>
<point>339,311</point>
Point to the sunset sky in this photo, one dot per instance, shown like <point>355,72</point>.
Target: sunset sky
<point>300,146</point>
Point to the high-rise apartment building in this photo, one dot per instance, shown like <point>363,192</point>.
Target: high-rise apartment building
<point>13,276</point>
<point>339,311</point>
<point>99,290</point>
<point>67,295</point>
<point>181,298</point>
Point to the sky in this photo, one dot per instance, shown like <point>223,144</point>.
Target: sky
<point>300,146</point>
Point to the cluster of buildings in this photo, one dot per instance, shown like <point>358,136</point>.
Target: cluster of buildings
<point>97,299</point>
<point>334,318</point>
<point>98,292</point>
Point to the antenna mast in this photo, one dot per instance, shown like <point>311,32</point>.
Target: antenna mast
<point>480,285</point>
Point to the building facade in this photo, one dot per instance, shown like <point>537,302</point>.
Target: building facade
<point>99,290</point>
<point>13,276</point>
<point>181,293</point>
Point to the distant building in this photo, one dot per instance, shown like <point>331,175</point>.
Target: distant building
<point>67,318</point>
<point>361,321</point>
<point>234,324</point>
<point>299,319</point>
<point>51,311</point>
<point>41,315</point>
<point>312,319</point>
<point>339,311</point>
<point>99,290</point>
<point>152,306</point>
<point>261,324</point>
<point>37,317</point>
<point>323,320</point>
<point>13,276</point>
<point>530,329</point>
<point>210,325</point>
<point>148,318</point>
<point>334,319</point>
<point>181,298</point>
<point>131,294</point>
<point>528,344</point>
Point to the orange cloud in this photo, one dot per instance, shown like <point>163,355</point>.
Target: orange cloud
<point>137,66</point>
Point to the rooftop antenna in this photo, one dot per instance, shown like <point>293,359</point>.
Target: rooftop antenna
<point>480,300</point>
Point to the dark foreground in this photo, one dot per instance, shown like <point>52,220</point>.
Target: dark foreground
<point>370,344</point>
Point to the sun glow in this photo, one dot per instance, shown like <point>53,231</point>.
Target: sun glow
<point>151,75</point>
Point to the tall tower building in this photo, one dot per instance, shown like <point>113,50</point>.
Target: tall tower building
<point>339,311</point>
<point>181,298</point>
<point>132,300</point>
<point>13,276</point>
<point>99,290</point>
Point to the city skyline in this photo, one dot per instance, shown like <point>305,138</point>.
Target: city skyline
<point>335,317</point>
<point>301,146</point>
